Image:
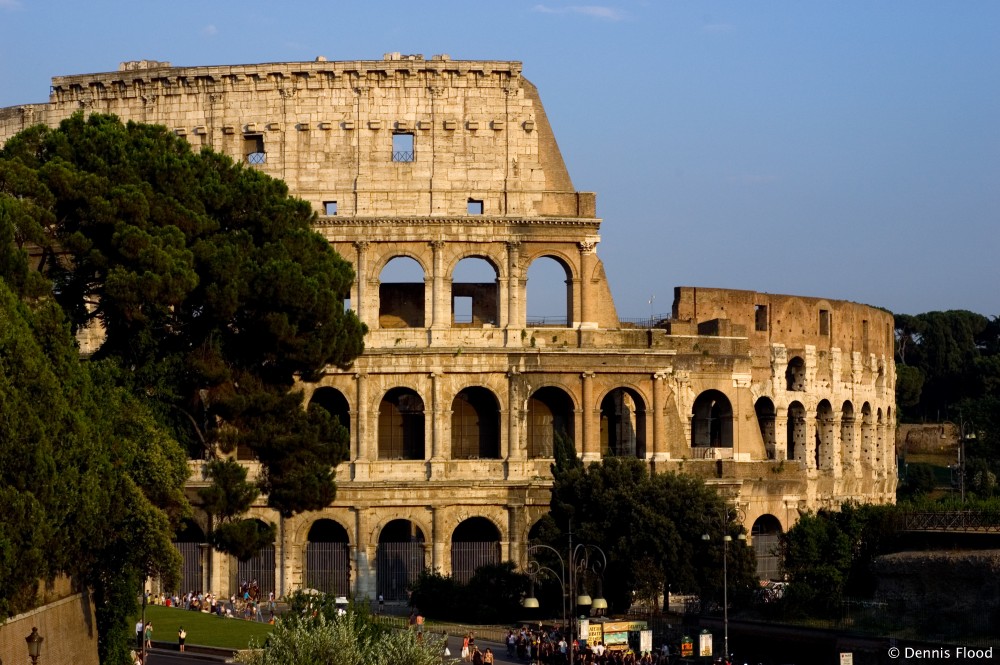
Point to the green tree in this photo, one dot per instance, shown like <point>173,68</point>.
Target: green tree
<point>228,498</point>
<point>212,289</point>
<point>650,527</point>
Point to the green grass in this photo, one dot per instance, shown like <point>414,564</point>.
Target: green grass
<point>203,629</point>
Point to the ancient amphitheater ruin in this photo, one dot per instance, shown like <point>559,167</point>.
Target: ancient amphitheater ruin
<point>784,403</point>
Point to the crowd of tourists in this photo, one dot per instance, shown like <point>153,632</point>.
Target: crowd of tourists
<point>247,603</point>
<point>550,647</point>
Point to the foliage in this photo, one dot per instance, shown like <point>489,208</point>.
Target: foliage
<point>353,639</point>
<point>492,595</point>
<point>228,497</point>
<point>90,484</point>
<point>650,527</point>
<point>828,555</point>
<point>212,289</point>
<point>919,479</point>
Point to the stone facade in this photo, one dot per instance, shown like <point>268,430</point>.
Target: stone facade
<point>785,403</point>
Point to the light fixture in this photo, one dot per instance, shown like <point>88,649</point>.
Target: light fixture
<point>584,599</point>
<point>34,641</point>
<point>530,603</point>
<point>600,604</point>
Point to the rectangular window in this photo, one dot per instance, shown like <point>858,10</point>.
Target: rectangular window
<point>402,147</point>
<point>475,207</point>
<point>330,208</point>
<point>760,318</point>
<point>824,322</point>
<point>253,149</point>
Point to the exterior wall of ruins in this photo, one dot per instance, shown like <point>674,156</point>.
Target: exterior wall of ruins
<point>784,403</point>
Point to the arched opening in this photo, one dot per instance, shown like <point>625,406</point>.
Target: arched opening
<point>796,441</point>
<point>335,404</point>
<point>475,294</point>
<point>401,425</point>
<point>328,558</point>
<point>549,293</point>
<point>712,421</point>
<point>879,450</point>
<point>258,568</point>
<point>623,424</point>
<point>795,375</point>
<point>824,435</point>
<point>475,425</point>
<point>192,545</point>
<point>766,414</point>
<point>474,543</point>
<point>550,415</point>
<point>847,442</point>
<point>401,294</point>
<point>400,558</point>
<point>766,538</point>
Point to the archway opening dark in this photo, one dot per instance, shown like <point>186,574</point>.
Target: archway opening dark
<point>328,558</point>
<point>824,435</point>
<point>847,439</point>
<point>401,294</point>
<point>475,425</point>
<point>401,425</point>
<point>766,414</point>
<point>623,424</point>
<point>796,441</point>
<point>766,538</point>
<point>474,543</point>
<point>193,547</point>
<point>712,421</point>
<point>795,375</point>
<point>550,415</point>
<point>400,558</point>
<point>257,571</point>
<point>334,402</point>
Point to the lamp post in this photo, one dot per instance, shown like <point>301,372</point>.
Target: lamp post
<point>727,514</point>
<point>964,434</point>
<point>34,641</point>
<point>580,558</point>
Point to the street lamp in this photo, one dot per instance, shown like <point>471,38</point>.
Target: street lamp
<point>34,641</point>
<point>725,516</point>
<point>580,561</point>
<point>963,436</point>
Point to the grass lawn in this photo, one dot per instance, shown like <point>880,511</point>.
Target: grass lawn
<point>204,629</point>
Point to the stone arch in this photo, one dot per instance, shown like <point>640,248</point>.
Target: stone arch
<point>401,425</point>
<point>766,416</point>
<point>623,424</point>
<point>399,559</point>
<point>795,375</point>
<point>540,275</point>
<point>475,295</point>
<point>475,424</point>
<point>824,435</point>
<point>335,403</point>
<point>765,534</point>
<point>712,421</point>
<point>401,301</point>
<point>328,558</point>
<point>475,542</point>
<point>550,415</point>
<point>259,567</point>
<point>796,432</point>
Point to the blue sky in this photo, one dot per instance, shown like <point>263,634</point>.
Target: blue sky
<point>848,150</point>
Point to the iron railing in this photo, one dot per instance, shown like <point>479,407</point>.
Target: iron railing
<point>328,567</point>
<point>402,155</point>
<point>466,557</point>
<point>956,520</point>
<point>256,157</point>
<point>191,567</point>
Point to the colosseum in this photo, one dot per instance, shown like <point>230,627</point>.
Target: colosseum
<point>441,180</point>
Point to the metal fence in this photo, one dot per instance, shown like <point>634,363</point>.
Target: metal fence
<point>191,567</point>
<point>397,566</point>
<point>466,557</point>
<point>328,567</point>
<point>259,567</point>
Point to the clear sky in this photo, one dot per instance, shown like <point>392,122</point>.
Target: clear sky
<point>848,150</point>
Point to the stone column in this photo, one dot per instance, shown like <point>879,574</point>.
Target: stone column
<point>363,446</point>
<point>838,446</point>
<point>591,430</point>
<point>781,434</point>
<point>588,306</point>
<point>437,539</point>
<point>440,315</point>
<point>363,553</point>
<point>514,318</point>
<point>516,452</point>
<point>359,299</point>
<point>659,418</point>
<point>438,451</point>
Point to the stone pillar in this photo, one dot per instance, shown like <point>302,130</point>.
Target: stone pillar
<point>810,452</point>
<point>437,539</point>
<point>363,553</point>
<point>781,434</point>
<point>588,306</point>
<point>438,451</point>
<point>516,450</point>
<point>659,418</point>
<point>365,449</point>
<point>440,314</point>
<point>359,298</point>
<point>591,430</point>
<point>837,451</point>
<point>515,317</point>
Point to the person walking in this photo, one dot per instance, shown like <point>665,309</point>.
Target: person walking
<point>181,636</point>
<point>149,635</point>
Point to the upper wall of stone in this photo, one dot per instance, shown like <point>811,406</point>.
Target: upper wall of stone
<point>397,137</point>
<point>792,321</point>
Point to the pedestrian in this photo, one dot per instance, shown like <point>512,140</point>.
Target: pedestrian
<point>477,656</point>
<point>420,624</point>
<point>381,603</point>
<point>149,635</point>
<point>181,636</point>
<point>139,629</point>
<point>488,657</point>
<point>465,648</point>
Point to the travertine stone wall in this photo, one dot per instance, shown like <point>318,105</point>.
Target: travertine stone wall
<point>65,622</point>
<point>784,403</point>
